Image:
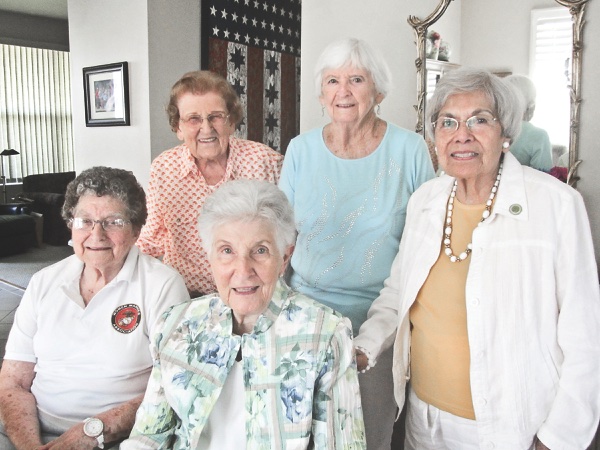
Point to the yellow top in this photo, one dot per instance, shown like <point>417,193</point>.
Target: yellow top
<point>440,359</point>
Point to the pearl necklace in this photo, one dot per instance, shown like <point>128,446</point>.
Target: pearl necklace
<point>449,209</point>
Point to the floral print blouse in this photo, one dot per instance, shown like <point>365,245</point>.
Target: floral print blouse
<point>301,385</point>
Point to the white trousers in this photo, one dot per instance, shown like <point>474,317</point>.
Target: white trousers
<point>429,428</point>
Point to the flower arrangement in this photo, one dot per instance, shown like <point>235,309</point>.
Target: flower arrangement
<point>560,172</point>
<point>444,53</point>
<point>433,42</point>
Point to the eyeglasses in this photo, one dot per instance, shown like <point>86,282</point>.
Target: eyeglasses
<point>476,124</point>
<point>215,119</point>
<point>108,225</point>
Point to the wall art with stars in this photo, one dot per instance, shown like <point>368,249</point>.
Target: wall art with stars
<point>256,45</point>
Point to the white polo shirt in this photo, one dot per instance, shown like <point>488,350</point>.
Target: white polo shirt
<point>91,359</point>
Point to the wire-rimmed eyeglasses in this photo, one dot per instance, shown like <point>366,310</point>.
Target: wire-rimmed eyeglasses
<point>477,123</point>
<point>109,224</point>
<point>215,119</point>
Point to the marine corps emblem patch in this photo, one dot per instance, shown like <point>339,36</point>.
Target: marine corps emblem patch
<point>126,318</point>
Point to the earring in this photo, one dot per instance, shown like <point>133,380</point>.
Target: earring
<point>435,150</point>
<point>322,111</point>
<point>378,109</point>
<point>505,144</point>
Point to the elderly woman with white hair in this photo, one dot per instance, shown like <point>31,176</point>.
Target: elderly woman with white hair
<point>255,365</point>
<point>349,183</point>
<point>532,146</point>
<point>497,289</point>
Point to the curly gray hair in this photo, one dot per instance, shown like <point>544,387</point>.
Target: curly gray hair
<point>116,183</point>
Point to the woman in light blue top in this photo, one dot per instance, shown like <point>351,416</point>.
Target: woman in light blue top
<point>532,147</point>
<point>349,183</point>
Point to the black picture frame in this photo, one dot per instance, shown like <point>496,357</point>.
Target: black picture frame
<point>106,93</point>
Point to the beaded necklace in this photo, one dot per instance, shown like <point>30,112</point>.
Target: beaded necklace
<point>449,208</point>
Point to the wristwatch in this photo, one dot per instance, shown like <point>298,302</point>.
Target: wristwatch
<point>93,427</point>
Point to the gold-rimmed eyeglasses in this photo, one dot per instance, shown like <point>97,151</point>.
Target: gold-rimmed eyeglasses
<point>476,124</point>
<point>109,224</point>
<point>214,119</point>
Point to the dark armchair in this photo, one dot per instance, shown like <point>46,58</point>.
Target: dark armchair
<point>17,229</point>
<point>46,195</point>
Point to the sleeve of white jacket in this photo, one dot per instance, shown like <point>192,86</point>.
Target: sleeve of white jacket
<point>378,332</point>
<point>575,411</point>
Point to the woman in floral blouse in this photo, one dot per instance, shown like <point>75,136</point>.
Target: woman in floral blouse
<point>257,365</point>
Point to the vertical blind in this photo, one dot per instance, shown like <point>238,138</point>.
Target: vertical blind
<point>35,111</point>
<point>550,67</point>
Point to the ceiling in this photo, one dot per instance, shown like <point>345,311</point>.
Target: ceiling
<point>49,8</point>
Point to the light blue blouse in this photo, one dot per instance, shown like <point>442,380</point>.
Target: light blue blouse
<point>350,215</point>
<point>532,148</point>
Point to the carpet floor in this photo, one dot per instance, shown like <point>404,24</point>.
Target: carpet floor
<point>17,270</point>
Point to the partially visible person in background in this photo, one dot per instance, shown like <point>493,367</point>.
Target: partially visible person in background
<point>349,183</point>
<point>203,111</point>
<point>77,358</point>
<point>256,365</point>
<point>532,147</point>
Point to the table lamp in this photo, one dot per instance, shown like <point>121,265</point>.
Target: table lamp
<point>6,152</point>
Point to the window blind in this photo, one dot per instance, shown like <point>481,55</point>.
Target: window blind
<point>35,111</point>
<point>550,69</point>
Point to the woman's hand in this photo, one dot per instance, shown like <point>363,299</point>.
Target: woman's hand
<point>361,360</point>
<point>72,439</point>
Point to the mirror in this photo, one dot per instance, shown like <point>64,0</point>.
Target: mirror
<point>576,9</point>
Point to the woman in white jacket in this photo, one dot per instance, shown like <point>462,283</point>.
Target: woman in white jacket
<point>494,291</point>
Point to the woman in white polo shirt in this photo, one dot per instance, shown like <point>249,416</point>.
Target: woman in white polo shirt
<point>77,358</point>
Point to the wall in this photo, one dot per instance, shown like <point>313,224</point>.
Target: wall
<point>102,33</point>
<point>174,48</point>
<point>160,41</point>
<point>449,26</point>
<point>33,31</point>
<point>497,37</point>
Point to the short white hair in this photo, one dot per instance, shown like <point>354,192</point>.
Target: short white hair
<point>357,53</point>
<point>248,200</point>
<point>526,88</point>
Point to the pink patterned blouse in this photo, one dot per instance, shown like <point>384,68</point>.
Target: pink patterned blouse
<point>176,193</point>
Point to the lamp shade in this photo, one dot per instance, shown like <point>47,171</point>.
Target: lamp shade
<point>9,152</point>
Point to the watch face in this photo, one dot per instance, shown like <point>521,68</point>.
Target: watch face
<point>93,427</point>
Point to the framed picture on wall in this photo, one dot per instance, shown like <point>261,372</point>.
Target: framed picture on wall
<point>106,92</point>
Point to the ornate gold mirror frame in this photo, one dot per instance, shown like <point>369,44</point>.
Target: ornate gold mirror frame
<point>420,29</point>
<point>577,10</point>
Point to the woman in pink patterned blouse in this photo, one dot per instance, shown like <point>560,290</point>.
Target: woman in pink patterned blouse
<point>203,111</point>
